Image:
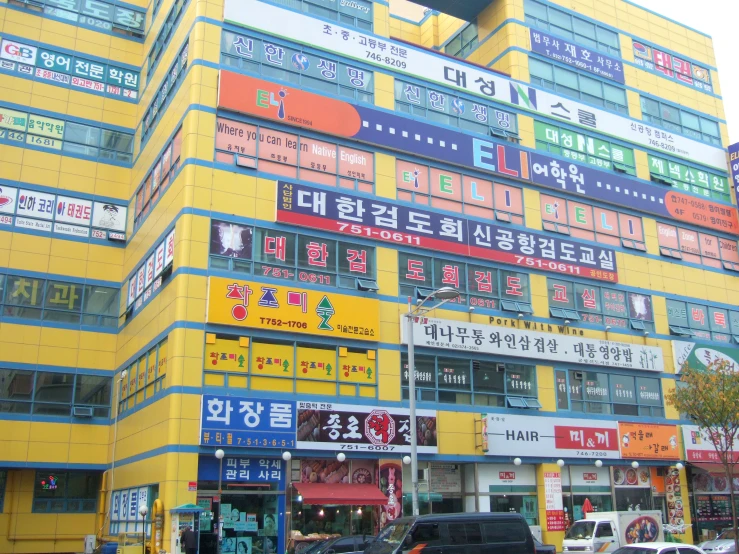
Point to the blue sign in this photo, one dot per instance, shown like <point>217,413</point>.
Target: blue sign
<point>238,421</point>
<point>350,215</point>
<point>582,58</point>
<point>238,469</point>
<point>734,165</point>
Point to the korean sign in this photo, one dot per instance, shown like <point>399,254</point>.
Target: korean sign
<point>242,93</point>
<point>569,349</point>
<point>292,309</point>
<point>646,440</point>
<point>698,356</point>
<point>699,445</point>
<point>734,165</point>
<point>667,65</point>
<point>394,56</point>
<point>69,70</point>
<point>577,56</point>
<point>515,435</point>
<point>553,501</point>
<point>124,509</point>
<point>147,279</point>
<point>688,179</point>
<point>240,421</point>
<point>327,426</point>
<point>351,215</point>
<point>62,215</point>
<point>239,469</point>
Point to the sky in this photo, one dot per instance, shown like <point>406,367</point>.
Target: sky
<point>716,18</point>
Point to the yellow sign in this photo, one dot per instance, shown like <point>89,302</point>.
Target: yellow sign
<point>357,367</point>
<point>13,120</point>
<point>316,363</point>
<point>272,360</point>
<point>226,355</point>
<point>46,126</point>
<point>292,309</point>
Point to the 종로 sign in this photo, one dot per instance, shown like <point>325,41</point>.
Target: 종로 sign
<point>517,343</point>
<point>351,215</point>
<point>647,440</point>
<point>395,56</point>
<point>515,435</point>
<point>276,102</point>
<point>240,421</point>
<point>292,309</point>
<point>572,54</point>
<point>700,356</point>
<point>327,426</point>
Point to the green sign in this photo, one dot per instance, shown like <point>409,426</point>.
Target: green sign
<point>583,148</point>
<point>699,356</point>
<point>689,179</point>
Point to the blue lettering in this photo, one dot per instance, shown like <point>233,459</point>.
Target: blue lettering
<point>482,151</point>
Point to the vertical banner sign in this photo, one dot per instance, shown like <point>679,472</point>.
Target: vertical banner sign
<point>553,497</point>
<point>391,485</point>
<point>734,165</point>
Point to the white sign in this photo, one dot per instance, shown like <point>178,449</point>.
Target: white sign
<point>586,476</point>
<point>109,216</point>
<point>33,224</point>
<point>36,204</point>
<point>64,229</point>
<point>8,197</point>
<point>17,52</point>
<point>73,210</point>
<point>395,56</point>
<point>516,435</point>
<point>445,478</point>
<point>553,491</point>
<point>159,260</point>
<point>518,343</point>
<point>699,445</point>
<point>141,280</point>
<point>150,270</point>
<point>169,249</point>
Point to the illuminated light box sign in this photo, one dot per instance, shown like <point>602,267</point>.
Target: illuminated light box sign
<point>63,215</point>
<point>394,56</point>
<point>577,56</point>
<point>350,215</point>
<point>667,65</point>
<point>518,343</point>
<point>249,95</point>
<point>147,279</point>
<point>242,303</point>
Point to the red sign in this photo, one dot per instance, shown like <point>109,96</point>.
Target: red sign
<point>703,213</point>
<point>507,475</point>
<point>192,486</point>
<point>555,520</point>
<point>590,476</point>
<point>586,438</point>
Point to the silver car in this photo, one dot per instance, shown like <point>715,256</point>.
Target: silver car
<point>723,544</point>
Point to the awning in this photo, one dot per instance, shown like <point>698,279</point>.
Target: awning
<point>343,493</point>
<point>714,468</point>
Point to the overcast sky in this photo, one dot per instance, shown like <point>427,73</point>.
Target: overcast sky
<point>718,19</point>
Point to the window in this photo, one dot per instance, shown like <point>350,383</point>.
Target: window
<point>3,482</point>
<point>165,35</point>
<point>583,148</point>
<point>57,134</point>
<point>66,492</point>
<point>312,160</point>
<point>680,121</point>
<point>144,379</point>
<point>463,42</point>
<point>603,393</point>
<point>697,248</point>
<point>571,83</point>
<point>583,221</point>
<point>479,285</point>
<point>159,178</point>
<point>689,179</point>
<point>449,109</point>
<point>426,533</point>
<point>604,530</point>
<point>357,13</point>
<point>504,531</point>
<point>303,69</point>
<point>170,84</point>
<point>572,27</point>
<point>471,382</point>
<point>95,14</point>
<point>291,256</point>
<point>41,299</point>
<point>700,321</point>
<point>600,305</point>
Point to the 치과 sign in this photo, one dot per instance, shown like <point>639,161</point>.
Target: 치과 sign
<point>242,303</point>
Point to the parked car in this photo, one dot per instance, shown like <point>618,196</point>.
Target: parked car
<point>659,548</point>
<point>544,548</point>
<point>724,543</point>
<point>350,544</point>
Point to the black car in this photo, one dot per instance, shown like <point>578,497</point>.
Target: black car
<point>351,544</point>
<point>544,548</point>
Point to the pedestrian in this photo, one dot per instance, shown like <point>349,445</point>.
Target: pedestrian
<point>189,541</point>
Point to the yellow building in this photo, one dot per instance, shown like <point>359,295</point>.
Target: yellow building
<point>216,212</point>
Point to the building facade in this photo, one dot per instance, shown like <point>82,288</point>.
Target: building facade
<point>216,212</point>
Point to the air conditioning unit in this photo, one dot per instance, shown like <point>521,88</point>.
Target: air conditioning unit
<point>500,368</point>
<point>423,475</point>
<point>82,411</point>
<point>578,375</point>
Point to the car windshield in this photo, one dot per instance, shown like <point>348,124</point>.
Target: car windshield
<point>726,535</point>
<point>581,530</point>
<point>394,533</point>
<point>636,550</point>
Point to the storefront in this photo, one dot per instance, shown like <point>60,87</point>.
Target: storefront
<point>440,489</point>
<point>586,489</point>
<point>509,488</point>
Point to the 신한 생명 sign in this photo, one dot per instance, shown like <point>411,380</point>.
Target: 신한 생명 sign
<point>488,339</point>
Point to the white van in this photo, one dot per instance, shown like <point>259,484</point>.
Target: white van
<point>607,531</point>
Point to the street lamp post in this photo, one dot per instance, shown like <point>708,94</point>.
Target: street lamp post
<point>445,294</point>
<point>143,511</point>
<point>219,456</point>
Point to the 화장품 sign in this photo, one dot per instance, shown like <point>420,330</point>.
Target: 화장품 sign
<point>292,309</point>
<point>328,426</point>
<point>517,343</point>
<point>351,215</point>
<point>239,421</point>
<point>395,56</point>
<point>250,95</point>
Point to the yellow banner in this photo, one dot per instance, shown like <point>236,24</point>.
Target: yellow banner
<point>316,363</point>
<point>226,355</point>
<point>357,367</point>
<point>272,360</point>
<point>292,309</point>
